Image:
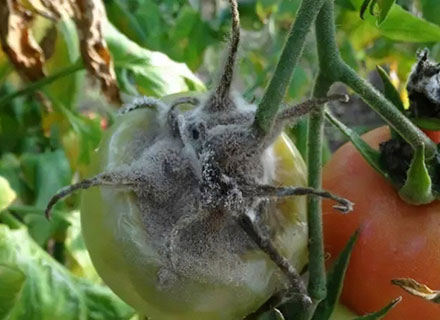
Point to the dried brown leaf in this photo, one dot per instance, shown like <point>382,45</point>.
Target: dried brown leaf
<point>28,57</point>
<point>90,17</point>
<point>417,289</point>
<point>18,42</point>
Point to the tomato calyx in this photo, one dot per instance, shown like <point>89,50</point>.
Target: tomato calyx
<point>404,165</point>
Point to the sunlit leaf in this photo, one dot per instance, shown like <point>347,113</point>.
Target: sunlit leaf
<point>7,195</point>
<point>76,248</point>
<point>400,25</point>
<point>390,91</point>
<point>153,72</point>
<point>46,289</point>
<point>66,52</point>
<point>417,289</point>
<point>11,284</point>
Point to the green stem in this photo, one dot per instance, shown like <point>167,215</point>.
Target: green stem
<point>406,129</point>
<point>280,80</point>
<point>317,282</point>
<point>8,219</point>
<point>334,67</point>
<point>34,86</point>
<point>327,52</point>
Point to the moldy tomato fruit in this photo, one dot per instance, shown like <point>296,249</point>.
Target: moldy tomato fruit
<point>220,274</point>
<point>195,223</point>
<point>397,240</point>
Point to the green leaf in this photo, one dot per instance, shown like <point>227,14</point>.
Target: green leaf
<point>430,10</point>
<point>364,8</point>
<point>7,195</point>
<point>44,289</point>
<point>370,155</point>
<point>124,20</point>
<point>11,284</point>
<point>381,313</point>
<point>46,173</point>
<point>153,72</point>
<point>384,7</point>
<point>66,53</point>
<point>427,123</point>
<point>400,25</point>
<point>190,37</point>
<point>418,185</point>
<point>346,4</point>
<point>39,228</point>
<point>390,91</point>
<point>37,85</point>
<point>403,26</point>
<point>335,281</point>
<point>81,264</point>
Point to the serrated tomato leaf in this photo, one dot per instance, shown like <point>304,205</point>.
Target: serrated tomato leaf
<point>335,281</point>
<point>382,312</point>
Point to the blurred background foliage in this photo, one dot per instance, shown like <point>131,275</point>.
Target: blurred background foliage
<point>49,127</point>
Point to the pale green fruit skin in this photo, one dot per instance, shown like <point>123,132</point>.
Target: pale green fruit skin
<point>128,264</point>
<point>342,313</point>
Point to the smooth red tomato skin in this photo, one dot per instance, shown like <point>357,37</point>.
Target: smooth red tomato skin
<point>433,134</point>
<point>397,240</point>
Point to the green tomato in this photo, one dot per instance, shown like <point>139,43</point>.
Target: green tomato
<point>128,263</point>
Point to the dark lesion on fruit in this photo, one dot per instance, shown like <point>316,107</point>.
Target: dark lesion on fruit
<point>424,102</point>
<point>424,88</point>
<point>395,157</point>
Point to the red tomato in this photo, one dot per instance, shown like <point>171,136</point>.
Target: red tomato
<point>397,239</point>
<point>433,134</point>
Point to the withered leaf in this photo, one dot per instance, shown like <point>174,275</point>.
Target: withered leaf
<point>18,42</point>
<point>28,57</point>
<point>90,17</point>
<point>417,289</point>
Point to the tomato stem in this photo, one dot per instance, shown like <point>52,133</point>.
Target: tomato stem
<point>317,283</point>
<point>332,65</point>
<point>282,76</point>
